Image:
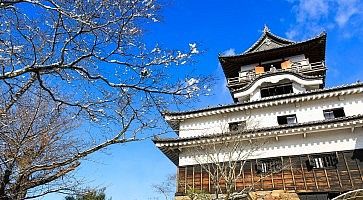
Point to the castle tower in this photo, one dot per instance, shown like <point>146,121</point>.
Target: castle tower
<point>293,134</point>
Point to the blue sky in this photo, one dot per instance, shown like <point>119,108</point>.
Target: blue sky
<point>227,27</point>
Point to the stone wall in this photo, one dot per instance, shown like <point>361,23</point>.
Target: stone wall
<point>274,195</point>
<point>263,195</point>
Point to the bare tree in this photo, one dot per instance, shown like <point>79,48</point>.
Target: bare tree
<point>90,194</point>
<point>167,187</point>
<point>36,143</point>
<point>89,60</point>
<point>224,161</point>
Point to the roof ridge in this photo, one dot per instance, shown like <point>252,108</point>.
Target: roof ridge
<point>316,122</point>
<point>343,86</point>
<point>268,32</point>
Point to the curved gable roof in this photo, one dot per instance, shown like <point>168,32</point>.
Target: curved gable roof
<point>268,41</point>
<point>313,48</point>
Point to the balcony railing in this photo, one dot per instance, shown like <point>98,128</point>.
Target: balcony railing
<point>302,66</point>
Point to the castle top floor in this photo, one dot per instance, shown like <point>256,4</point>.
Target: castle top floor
<point>274,66</point>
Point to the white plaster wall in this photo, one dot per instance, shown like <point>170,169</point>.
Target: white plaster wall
<point>281,78</point>
<point>319,142</point>
<point>267,117</point>
<point>246,68</point>
<point>298,88</point>
<point>296,58</point>
<point>256,94</point>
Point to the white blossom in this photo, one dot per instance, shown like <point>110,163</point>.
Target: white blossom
<point>193,48</point>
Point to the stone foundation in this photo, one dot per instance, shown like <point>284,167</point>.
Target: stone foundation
<point>263,195</point>
<point>274,195</point>
<point>182,198</point>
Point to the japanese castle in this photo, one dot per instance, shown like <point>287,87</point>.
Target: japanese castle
<point>300,140</point>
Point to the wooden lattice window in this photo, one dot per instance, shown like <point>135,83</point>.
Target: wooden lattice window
<point>276,90</point>
<point>322,161</point>
<point>334,113</point>
<point>237,126</point>
<point>287,119</point>
<point>268,165</point>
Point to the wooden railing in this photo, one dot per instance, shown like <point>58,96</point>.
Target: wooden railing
<point>302,66</point>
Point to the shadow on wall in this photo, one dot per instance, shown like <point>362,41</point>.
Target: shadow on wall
<point>358,152</point>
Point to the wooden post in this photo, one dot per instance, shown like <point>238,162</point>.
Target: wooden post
<point>243,176</point>
<point>327,178</point>
<point>185,179</point>
<point>209,179</point>
<point>193,177</point>
<point>234,175</point>
<point>314,175</point>
<point>252,180</point>
<point>272,180</point>
<point>340,181</point>
<point>177,179</point>
<point>303,173</point>
<point>292,173</point>
<point>282,174</point>
<point>350,176</point>
<point>201,177</point>
<point>359,169</point>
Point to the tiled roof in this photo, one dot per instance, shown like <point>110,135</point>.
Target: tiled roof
<point>273,36</point>
<point>268,99</point>
<point>268,34</point>
<point>265,129</point>
<point>171,146</point>
<point>313,48</point>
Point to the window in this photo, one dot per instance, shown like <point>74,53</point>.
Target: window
<point>274,65</point>
<point>322,161</point>
<point>287,119</point>
<point>334,113</point>
<point>276,90</point>
<point>268,166</point>
<point>237,126</point>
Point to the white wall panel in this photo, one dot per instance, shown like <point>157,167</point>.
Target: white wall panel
<point>267,117</point>
<point>329,141</point>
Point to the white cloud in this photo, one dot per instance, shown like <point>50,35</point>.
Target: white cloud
<point>346,9</point>
<point>312,9</point>
<point>229,52</point>
<point>314,16</point>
